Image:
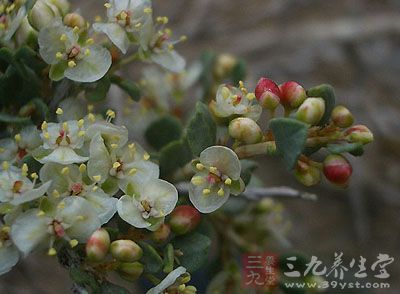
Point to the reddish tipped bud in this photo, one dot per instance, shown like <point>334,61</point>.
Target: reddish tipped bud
<point>359,134</point>
<point>130,271</point>
<point>97,246</point>
<point>184,219</point>
<point>311,111</point>
<point>245,130</point>
<point>267,93</point>
<point>161,234</point>
<point>342,117</point>
<point>292,94</point>
<point>126,250</point>
<point>307,174</point>
<point>337,169</point>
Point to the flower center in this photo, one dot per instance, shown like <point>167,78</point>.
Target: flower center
<point>58,229</point>
<point>74,52</point>
<point>22,153</point>
<point>17,186</point>
<point>124,18</point>
<point>63,135</point>
<point>76,189</point>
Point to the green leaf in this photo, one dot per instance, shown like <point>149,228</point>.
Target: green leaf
<point>248,166</point>
<point>195,248</point>
<point>129,87</point>
<point>239,72</point>
<point>201,131</point>
<point>173,156</point>
<point>83,278</point>
<point>327,93</point>
<point>152,261</point>
<point>98,91</point>
<point>168,259</point>
<point>290,137</point>
<point>353,148</point>
<point>207,61</point>
<point>10,119</point>
<point>42,110</point>
<point>163,131</point>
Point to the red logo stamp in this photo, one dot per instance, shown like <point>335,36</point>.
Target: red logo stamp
<point>259,270</point>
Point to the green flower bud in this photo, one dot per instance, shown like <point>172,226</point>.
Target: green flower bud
<point>97,246</point>
<point>161,234</point>
<point>311,111</point>
<point>62,5</point>
<point>184,219</point>
<point>245,130</point>
<point>307,174</point>
<point>224,65</point>
<point>342,117</point>
<point>292,94</point>
<point>74,20</point>
<point>130,271</point>
<point>359,134</point>
<point>41,14</point>
<point>126,250</point>
<point>25,33</point>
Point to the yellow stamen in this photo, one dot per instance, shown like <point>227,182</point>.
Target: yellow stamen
<point>213,169</point>
<point>75,29</point>
<point>82,168</point>
<point>61,205</point>
<point>147,10</point>
<point>73,243</point>
<point>91,117</point>
<point>18,137</point>
<point>44,125</point>
<point>228,181</point>
<point>5,165</point>
<point>65,126</point>
<point>146,156</point>
<point>80,218</point>
<point>52,252</point>
<point>65,170</point>
<point>46,135</point>
<point>63,38</point>
<point>89,41</point>
<point>81,122</point>
<point>59,111</point>
<point>221,192</point>
<point>87,52</point>
<point>24,170</point>
<point>97,178</point>
<point>110,113</point>
<point>206,191</point>
<point>56,194</point>
<point>250,96</point>
<point>40,213</point>
<point>116,165</point>
<point>71,63</point>
<point>81,133</point>
<point>34,176</point>
<point>107,5</point>
<point>197,180</point>
<point>114,146</point>
<point>132,171</point>
<point>200,166</point>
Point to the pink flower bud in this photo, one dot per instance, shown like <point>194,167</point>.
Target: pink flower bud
<point>311,111</point>
<point>130,271</point>
<point>267,93</point>
<point>337,169</point>
<point>359,134</point>
<point>307,174</point>
<point>97,246</point>
<point>126,250</point>
<point>292,94</point>
<point>161,234</point>
<point>184,219</point>
<point>245,130</point>
<point>342,117</point>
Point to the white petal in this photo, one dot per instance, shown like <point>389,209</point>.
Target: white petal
<point>52,172</point>
<point>224,159</point>
<point>105,205</point>
<point>170,60</point>
<point>31,194</point>
<point>130,213</point>
<point>29,231</point>
<point>145,171</point>
<point>115,33</point>
<point>207,203</point>
<point>9,257</point>
<point>63,155</point>
<point>100,161</point>
<point>164,195</point>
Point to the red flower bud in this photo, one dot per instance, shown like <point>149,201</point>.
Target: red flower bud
<point>161,234</point>
<point>184,219</point>
<point>267,93</point>
<point>342,117</point>
<point>126,250</point>
<point>97,246</point>
<point>292,94</point>
<point>359,134</point>
<point>337,169</point>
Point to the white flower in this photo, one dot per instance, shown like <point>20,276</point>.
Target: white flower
<point>231,101</point>
<point>9,254</point>
<point>16,188</point>
<point>61,141</point>
<point>67,181</point>
<point>11,15</point>
<point>73,220</point>
<point>126,21</point>
<point>217,176</point>
<point>149,204</point>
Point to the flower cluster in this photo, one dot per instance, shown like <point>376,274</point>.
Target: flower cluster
<point>131,22</point>
<point>12,14</point>
<point>84,164</point>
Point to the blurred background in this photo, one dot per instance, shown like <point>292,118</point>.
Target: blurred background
<point>352,45</point>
